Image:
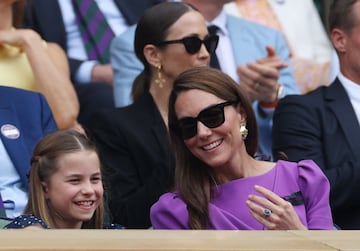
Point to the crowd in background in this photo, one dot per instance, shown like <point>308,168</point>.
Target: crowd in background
<point>164,108</point>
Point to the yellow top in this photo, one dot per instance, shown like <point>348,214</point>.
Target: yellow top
<point>15,68</point>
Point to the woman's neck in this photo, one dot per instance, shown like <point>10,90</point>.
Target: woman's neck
<point>243,166</point>
<point>161,97</point>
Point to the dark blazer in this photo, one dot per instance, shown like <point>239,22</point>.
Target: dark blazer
<point>322,126</point>
<point>45,17</point>
<point>136,157</point>
<point>29,117</point>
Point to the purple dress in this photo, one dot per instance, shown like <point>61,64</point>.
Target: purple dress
<point>303,184</point>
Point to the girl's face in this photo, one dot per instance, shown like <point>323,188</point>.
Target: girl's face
<point>219,146</point>
<point>75,190</point>
<point>175,58</point>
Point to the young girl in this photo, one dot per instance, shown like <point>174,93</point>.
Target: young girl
<point>66,189</point>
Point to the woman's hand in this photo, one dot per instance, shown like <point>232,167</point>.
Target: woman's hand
<point>273,212</point>
<point>20,38</point>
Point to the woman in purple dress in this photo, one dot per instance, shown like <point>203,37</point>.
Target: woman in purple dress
<point>218,182</point>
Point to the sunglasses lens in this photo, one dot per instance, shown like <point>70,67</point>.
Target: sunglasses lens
<point>212,117</point>
<point>188,127</point>
<point>192,44</point>
<point>211,43</point>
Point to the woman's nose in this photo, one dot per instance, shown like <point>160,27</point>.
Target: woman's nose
<point>203,130</point>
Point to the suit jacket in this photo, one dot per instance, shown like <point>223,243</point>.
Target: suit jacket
<point>45,17</point>
<point>28,114</point>
<point>137,160</point>
<point>248,39</point>
<point>322,126</point>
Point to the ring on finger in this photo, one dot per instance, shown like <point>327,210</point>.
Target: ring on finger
<point>267,212</point>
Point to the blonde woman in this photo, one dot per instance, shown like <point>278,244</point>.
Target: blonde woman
<point>28,62</point>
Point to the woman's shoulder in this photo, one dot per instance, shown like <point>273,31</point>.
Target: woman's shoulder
<point>306,171</point>
<point>24,221</point>
<point>307,165</point>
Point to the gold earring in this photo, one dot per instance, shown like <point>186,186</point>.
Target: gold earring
<point>243,131</point>
<point>159,80</point>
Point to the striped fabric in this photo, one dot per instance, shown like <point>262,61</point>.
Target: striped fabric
<point>95,31</point>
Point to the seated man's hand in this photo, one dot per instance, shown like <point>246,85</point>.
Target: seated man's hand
<point>260,78</point>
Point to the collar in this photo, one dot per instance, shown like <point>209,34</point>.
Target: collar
<point>220,21</point>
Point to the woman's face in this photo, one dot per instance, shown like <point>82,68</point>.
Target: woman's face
<point>215,146</point>
<point>75,190</point>
<point>174,57</point>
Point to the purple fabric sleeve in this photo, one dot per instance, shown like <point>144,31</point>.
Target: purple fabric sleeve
<point>169,213</point>
<point>315,188</point>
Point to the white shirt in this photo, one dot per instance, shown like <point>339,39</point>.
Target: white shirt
<point>353,91</point>
<point>11,189</point>
<point>75,46</point>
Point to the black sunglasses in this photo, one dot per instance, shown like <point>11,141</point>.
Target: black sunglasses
<point>193,44</point>
<point>211,117</point>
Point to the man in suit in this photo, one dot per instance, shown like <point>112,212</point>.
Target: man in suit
<point>254,55</point>
<point>323,125</point>
<point>56,22</point>
<point>25,117</point>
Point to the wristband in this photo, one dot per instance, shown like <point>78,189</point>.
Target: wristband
<point>269,105</point>
<point>280,95</point>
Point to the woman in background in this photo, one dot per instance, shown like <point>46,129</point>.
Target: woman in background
<point>133,140</point>
<point>28,62</point>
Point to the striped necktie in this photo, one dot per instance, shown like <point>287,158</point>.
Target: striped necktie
<point>214,61</point>
<point>94,29</point>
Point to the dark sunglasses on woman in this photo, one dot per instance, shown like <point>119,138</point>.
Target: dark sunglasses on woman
<point>193,43</point>
<point>211,117</point>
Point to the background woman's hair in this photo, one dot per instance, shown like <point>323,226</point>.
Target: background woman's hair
<point>153,28</point>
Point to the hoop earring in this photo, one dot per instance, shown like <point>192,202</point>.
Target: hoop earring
<point>244,131</point>
<point>159,80</point>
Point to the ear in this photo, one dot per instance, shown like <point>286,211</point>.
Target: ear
<point>152,55</point>
<point>45,188</point>
<point>241,114</point>
<point>339,40</point>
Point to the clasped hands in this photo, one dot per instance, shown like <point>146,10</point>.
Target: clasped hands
<point>260,78</point>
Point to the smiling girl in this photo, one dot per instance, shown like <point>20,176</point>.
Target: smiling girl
<point>66,189</point>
